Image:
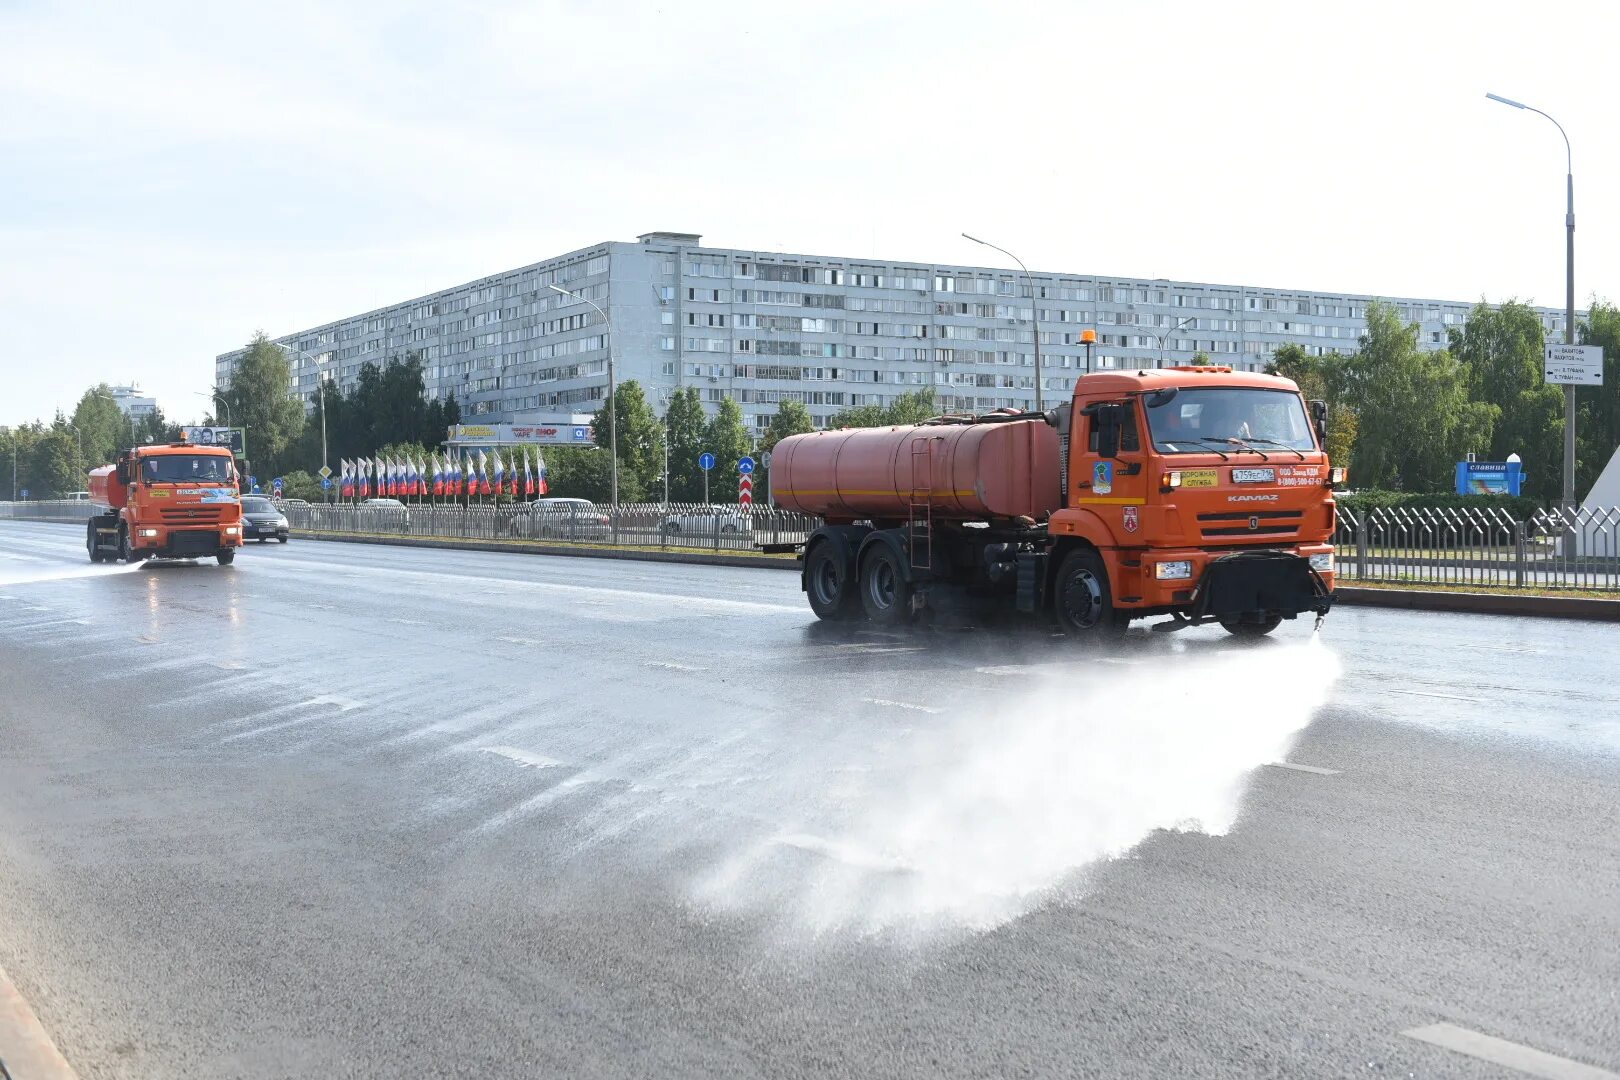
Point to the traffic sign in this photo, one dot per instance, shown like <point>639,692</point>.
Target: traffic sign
<point>765,459</point>
<point>326,483</point>
<point>1574,365</point>
<point>23,493</point>
<point>745,465</point>
<point>324,472</point>
<point>745,491</point>
<point>705,462</point>
<point>275,485</point>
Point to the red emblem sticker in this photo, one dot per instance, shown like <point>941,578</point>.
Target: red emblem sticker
<point>1132,521</point>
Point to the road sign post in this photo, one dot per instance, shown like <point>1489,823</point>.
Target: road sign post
<point>705,462</point>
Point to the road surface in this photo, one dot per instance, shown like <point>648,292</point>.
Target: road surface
<point>350,811</point>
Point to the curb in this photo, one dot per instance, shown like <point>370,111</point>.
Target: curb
<point>690,558</point>
<point>26,1052</point>
<point>1557,607</point>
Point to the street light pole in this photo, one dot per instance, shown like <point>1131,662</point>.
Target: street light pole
<point>1569,295</point>
<point>613,406</point>
<point>218,398</point>
<point>1167,333</point>
<point>1034,309</point>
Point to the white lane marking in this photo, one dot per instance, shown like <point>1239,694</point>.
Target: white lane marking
<point>529,641</point>
<point>838,851</point>
<point>1303,768</point>
<point>344,704</point>
<point>228,665</point>
<point>1433,694</point>
<point>1525,1059</point>
<point>409,622</point>
<point>902,705</point>
<point>671,665</point>
<point>522,757</point>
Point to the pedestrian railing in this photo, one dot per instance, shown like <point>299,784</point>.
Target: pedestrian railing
<point>1469,546</point>
<point>48,510</point>
<point>645,525</point>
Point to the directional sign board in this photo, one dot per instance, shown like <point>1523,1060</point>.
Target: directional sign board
<point>745,465</point>
<point>326,483</point>
<point>765,459</point>
<point>23,493</point>
<point>324,471</point>
<point>1575,365</point>
<point>705,462</point>
<point>745,491</point>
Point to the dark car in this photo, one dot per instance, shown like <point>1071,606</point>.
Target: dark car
<point>261,520</point>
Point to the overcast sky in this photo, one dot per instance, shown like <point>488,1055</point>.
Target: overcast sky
<point>179,176</point>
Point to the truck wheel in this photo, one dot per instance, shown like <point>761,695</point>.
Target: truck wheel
<point>826,580</point>
<point>125,552</point>
<point>885,593</point>
<point>90,543</point>
<point>1082,600</point>
<point>1252,628</point>
<point>226,557</point>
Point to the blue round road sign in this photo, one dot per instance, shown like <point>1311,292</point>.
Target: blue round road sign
<point>705,462</point>
<point>745,465</point>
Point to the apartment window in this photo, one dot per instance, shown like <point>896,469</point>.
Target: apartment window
<point>666,343</point>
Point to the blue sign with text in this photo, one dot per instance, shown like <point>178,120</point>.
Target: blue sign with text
<point>1489,477</point>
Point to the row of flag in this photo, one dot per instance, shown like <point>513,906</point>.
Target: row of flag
<point>443,476</point>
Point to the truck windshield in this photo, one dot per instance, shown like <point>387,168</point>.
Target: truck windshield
<point>1197,421</point>
<point>186,469</point>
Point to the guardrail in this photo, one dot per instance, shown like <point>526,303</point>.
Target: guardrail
<point>651,525</point>
<point>1554,549</point>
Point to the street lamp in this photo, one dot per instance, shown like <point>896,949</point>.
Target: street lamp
<point>218,398</point>
<point>1034,309</point>
<point>1569,296</point>
<point>1167,333</point>
<point>613,407</point>
<point>320,391</point>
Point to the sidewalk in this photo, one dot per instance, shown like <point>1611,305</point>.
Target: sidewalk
<point>26,1052</point>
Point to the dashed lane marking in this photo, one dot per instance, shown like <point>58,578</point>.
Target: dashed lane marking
<point>1433,694</point>
<point>1512,1055</point>
<point>1303,768</point>
<point>901,705</point>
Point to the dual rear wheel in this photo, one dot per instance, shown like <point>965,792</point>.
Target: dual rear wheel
<point>879,589</point>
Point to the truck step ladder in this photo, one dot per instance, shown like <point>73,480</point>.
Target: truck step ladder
<point>920,505</point>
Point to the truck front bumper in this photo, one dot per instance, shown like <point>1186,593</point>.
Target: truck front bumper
<point>1254,582</point>
<point>163,542</point>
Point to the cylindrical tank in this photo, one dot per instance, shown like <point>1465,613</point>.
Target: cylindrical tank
<point>966,472</point>
<point>105,488</point>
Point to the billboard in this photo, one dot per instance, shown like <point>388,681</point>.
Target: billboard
<point>215,436</point>
<point>564,431</point>
<point>1489,477</point>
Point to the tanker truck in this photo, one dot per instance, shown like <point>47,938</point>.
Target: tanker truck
<point>1198,493</point>
<point>170,501</point>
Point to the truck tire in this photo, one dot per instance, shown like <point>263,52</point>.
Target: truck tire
<point>1082,599</point>
<point>226,556</point>
<point>90,544</point>
<point>126,553</point>
<point>1252,628</point>
<point>827,582</point>
<point>885,592</point>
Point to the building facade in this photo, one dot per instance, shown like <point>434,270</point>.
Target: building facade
<point>132,403</point>
<point>764,327</point>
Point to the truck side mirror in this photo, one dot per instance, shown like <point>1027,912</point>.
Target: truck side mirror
<point>122,473</point>
<point>1109,419</point>
<point>1319,413</point>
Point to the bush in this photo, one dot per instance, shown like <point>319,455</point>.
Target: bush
<point>1521,506</point>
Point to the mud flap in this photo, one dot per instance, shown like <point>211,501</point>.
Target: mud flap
<point>1260,583</point>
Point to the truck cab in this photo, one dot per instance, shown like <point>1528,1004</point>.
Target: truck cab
<point>177,500</point>
<point>1189,483</point>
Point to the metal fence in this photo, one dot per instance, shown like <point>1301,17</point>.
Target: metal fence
<point>1463,547</point>
<point>649,525</point>
<point>1554,549</point>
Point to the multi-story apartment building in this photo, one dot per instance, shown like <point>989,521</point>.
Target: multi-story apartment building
<point>764,327</point>
<point>133,403</point>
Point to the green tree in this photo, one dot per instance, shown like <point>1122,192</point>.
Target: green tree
<point>1598,420</point>
<point>154,427</point>
<point>1416,421</point>
<point>578,472</point>
<point>261,400</point>
<point>727,439</point>
<point>640,436</point>
<point>791,418</point>
<point>57,466</point>
<point>102,425</point>
<point>1201,358</point>
<point>17,460</point>
<point>1502,351</point>
<point>685,424</point>
<point>909,408</point>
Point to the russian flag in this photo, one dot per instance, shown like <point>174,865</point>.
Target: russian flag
<point>346,483</point>
<point>393,478</point>
<point>483,474</point>
<point>498,479</point>
<point>543,486</point>
<point>364,489</point>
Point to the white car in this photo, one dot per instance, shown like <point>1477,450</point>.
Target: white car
<point>705,521</point>
<point>385,513</point>
<point>561,519</point>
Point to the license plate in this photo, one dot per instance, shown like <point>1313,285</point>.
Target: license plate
<point>1254,476</point>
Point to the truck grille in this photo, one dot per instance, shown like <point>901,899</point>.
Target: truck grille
<point>191,515</point>
<point>1271,524</point>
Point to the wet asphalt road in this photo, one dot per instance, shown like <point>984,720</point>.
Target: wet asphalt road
<point>356,811</point>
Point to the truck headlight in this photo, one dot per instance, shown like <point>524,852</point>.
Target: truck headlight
<point>1173,571</point>
<point>1338,475</point>
<point>1172,480</point>
<point>231,530</point>
<point>146,532</point>
<point>1322,562</point>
